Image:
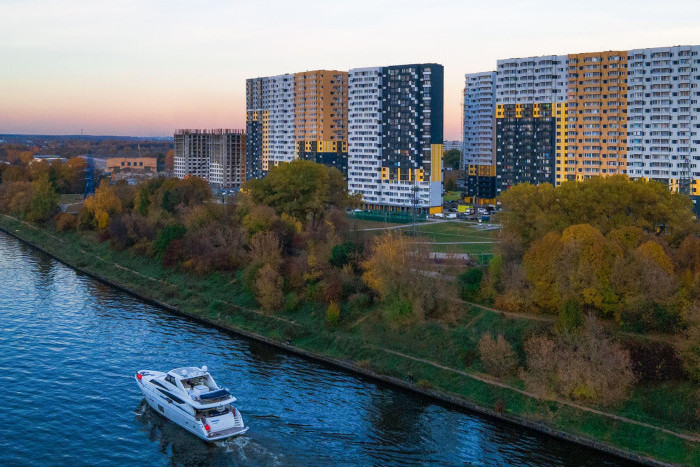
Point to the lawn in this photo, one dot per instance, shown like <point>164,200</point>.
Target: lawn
<point>452,196</point>
<point>459,237</point>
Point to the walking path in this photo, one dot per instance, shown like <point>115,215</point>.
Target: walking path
<point>500,384</point>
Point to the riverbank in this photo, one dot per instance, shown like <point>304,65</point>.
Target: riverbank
<point>430,353</point>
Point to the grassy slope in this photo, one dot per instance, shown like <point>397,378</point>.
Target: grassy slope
<point>362,336</point>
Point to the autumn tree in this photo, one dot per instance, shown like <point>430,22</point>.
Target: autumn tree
<point>689,344</point>
<point>607,203</point>
<point>582,366</point>
<point>497,355</point>
<point>98,208</point>
<point>15,197</point>
<point>44,202</point>
<point>400,271</point>
<point>302,189</point>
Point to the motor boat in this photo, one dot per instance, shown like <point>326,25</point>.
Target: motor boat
<point>190,397</point>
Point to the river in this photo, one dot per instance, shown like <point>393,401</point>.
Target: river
<point>69,347</point>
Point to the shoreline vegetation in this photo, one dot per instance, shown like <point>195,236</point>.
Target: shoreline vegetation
<point>481,390</point>
<point>583,323</point>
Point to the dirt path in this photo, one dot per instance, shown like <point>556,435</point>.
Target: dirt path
<point>500,384</point>
<point>513,314</point>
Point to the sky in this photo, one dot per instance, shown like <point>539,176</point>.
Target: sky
<point>148,67</point>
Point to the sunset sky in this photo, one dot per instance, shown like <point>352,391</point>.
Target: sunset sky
<point>147,67</point>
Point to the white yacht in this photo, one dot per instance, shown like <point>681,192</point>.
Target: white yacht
<point>189,397</point>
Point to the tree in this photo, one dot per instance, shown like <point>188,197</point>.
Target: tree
<point>689,344</point>
<point>98,208</point>
<point>400,271</point>
<point>606,203</point>
<point>452,158</point>
<point>302,189</point>
<point>169,163</point>
<point>583,366</point>
<point>269,289</point>
<point>497,356</point>
<point>44,202</point>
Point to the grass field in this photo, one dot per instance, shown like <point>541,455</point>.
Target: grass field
<point>458,237</point>
<point>455,237</point>
<point>452,196</point>
<point>436,354</point>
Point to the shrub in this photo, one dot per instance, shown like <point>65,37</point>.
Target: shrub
<point>332,314</point>
<point>497,355</point>
<point>584,366</point>
<point>570,316</point>
<point>269,289</point>
<point>359,302</point>
<point>689,345</point>
<point>65,222</point>
<point>169,233</point>
<point>470,283</point>
<point>291,302</point>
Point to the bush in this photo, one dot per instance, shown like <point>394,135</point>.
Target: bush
<point>689,345</point>
<point>269,289</point>
<point>169,233</point>
<point>342,254</point>
<point>570,316</point>
<point>584,366</point>
<point>497,356</point>
<point>470,283</point>
<point>65,222</point>
<point>359,302</point>
<point>332,314</point>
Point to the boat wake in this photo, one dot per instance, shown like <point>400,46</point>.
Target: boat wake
<point>247,450</point>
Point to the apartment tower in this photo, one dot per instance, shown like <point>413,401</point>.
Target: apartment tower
<point>395,117</point>
<point>301,115</point>
<point>321,117</point>
<point>632,112</point>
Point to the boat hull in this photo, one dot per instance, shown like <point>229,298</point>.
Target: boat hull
<point>176,414</point>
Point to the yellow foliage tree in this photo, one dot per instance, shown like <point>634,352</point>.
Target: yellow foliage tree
<point>655,252</point>
<point>103,204</point>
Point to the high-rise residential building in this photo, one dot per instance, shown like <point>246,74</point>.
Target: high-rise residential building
<point>321,117</point>
<point>617,112</point>
<point>479,123</point>
<point>301,115</point>
<point>663,116</point>
<point>191,154</point>
<point>531,80</point>
<point>396,136</point>
<point>269,123</point>
<point>215,155</point>
<point>525,145</point>
<point>596,116</point>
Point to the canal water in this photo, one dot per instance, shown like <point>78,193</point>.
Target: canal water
<point>69,347</point>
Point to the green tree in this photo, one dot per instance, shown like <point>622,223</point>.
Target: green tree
<point>452,158</point>
<point>301,189</point>
<point>44,202</point>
